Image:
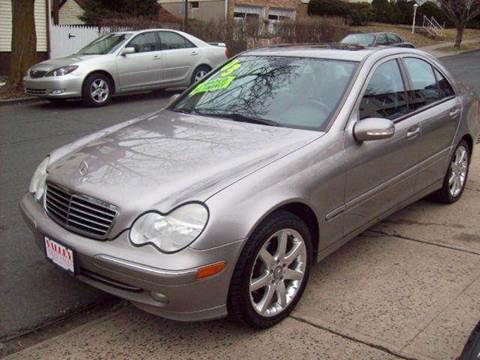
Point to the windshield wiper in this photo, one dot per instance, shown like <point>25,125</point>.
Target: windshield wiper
<point>239,118</point>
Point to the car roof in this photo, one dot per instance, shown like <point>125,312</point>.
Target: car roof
<point>333,51</point>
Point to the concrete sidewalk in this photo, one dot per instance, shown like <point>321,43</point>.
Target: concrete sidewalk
<point>409,288</point>
<point>438,50</point>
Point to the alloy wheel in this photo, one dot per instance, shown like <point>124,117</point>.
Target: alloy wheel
<point>278,272</point>
<point>99,90</point>
<point>458,171</point>
<point>200,74</point>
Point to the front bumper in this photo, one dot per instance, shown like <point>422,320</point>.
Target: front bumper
<point>54,87</point>
<point>113,266</point>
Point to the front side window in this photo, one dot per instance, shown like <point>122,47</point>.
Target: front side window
<point>274,90</point>
<point>145,42</point>
<point>385,96</point>
<point>104,44</point>
<point>424,84</point>
<point>171,41</point>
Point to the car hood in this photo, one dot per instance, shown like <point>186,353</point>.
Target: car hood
<point>51,64</point>
<point>171,158</point>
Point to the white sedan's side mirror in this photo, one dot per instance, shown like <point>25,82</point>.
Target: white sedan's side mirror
<point>128,50</point>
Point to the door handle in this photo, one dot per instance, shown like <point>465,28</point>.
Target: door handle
<point>156,57</point>
<point>454,113</point>
<point>413,132</point>
<point>194,53</point>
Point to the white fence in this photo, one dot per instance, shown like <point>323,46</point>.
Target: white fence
<point>68,39</point>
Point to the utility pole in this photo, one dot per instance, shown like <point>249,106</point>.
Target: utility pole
<point>415,6</point>
<point>185,15</point>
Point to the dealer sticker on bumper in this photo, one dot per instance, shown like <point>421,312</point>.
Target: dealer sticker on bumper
<point>59,254</point>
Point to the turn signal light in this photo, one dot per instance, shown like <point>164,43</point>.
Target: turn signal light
<point>210,270</point>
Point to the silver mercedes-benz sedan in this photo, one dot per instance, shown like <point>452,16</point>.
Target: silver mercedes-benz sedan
<point>123,62</point>
<point>222,202</point>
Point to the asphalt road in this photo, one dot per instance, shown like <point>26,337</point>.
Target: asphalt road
<point>32,290</point>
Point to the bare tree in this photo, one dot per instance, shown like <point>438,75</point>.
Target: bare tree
<point>24,42</point>
<point>460,12</point>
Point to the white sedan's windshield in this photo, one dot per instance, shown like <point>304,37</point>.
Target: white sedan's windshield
<point>104,44</point>
<point>359,39</point>
<point>275,90</point>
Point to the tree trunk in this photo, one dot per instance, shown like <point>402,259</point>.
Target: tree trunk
<point>24,41</point>
<point>459,37</point>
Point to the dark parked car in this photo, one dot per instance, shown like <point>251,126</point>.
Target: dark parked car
<point>376,39</point>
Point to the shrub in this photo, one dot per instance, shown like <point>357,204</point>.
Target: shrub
<point>313,30</point>
<point>359,13</point>
<point>328,8</point>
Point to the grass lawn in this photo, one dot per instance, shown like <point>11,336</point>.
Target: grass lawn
<point>419,39</point>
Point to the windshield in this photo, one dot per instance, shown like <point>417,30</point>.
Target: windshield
<point>104,44</point>
<point>272,90</point>
<point>359,39</point>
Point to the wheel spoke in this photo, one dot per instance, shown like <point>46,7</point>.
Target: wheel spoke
<point>266,257</point>
<point>281,294</point>
<point>291,274</point>
<point>293,254</point>
<point>282,245</point>
<point>260,282</point>
<point>452,178</point>
<point>267,299</point>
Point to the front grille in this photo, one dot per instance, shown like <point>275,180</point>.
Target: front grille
<point>30,91</point>
<point>79,213</point>
<point>37,73</point>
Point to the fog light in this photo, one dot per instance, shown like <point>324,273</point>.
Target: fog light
<point>57,92</point>
<point>159,297</point>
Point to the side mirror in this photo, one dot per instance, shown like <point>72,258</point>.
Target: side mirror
<point>128,50</point>
<point>373,129</point>
<point>173,98</point>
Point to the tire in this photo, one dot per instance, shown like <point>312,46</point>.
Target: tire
<point>245,303</point>
<point>458,170</point>
<point>94,82</point>
<point>199,73</point>
<point>471,351</point>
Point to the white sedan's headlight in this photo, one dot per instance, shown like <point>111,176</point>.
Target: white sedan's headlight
<point>37,184</point>
<point>171,232</point>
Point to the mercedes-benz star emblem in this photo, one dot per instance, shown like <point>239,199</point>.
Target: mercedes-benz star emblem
<point>83,169</point>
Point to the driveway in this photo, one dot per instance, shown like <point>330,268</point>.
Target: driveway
<point>407,288</point>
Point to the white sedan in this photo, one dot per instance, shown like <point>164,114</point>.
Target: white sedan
<point>122,62</point>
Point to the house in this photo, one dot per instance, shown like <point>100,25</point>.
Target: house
<point>206,10</point>
<point>41,28</point>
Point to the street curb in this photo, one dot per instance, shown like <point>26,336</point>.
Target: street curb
<point>4,102</point>
<point>460,53</point>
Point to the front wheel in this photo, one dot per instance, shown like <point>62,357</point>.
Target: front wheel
<point>456,177</point>
<point>272,271</point>
<point>97,90</point>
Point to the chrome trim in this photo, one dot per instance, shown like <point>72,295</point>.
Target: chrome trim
<point>79,213</point>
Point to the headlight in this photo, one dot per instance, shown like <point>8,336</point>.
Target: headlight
<point>172,232</point>
<point>37,184</point>
<point>64,70</point>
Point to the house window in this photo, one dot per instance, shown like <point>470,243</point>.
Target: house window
<point>195,4</point>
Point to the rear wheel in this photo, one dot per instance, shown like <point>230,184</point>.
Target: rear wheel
<point>272,271</point>
<point>456,177</point>
<point>199,73</point>
<point>97,90</point>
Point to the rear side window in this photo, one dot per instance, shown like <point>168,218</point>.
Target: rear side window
<point>382,39</point>
<point>171,41</point>
<point>443,84</point>
<point>393,39</point>
<point>145,42</point>
<point>385,96</point>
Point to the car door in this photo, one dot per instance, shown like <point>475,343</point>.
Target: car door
<point>437,109</point>
<point>380,173</point>
<point>179,57</point>
<point>140,69</point>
